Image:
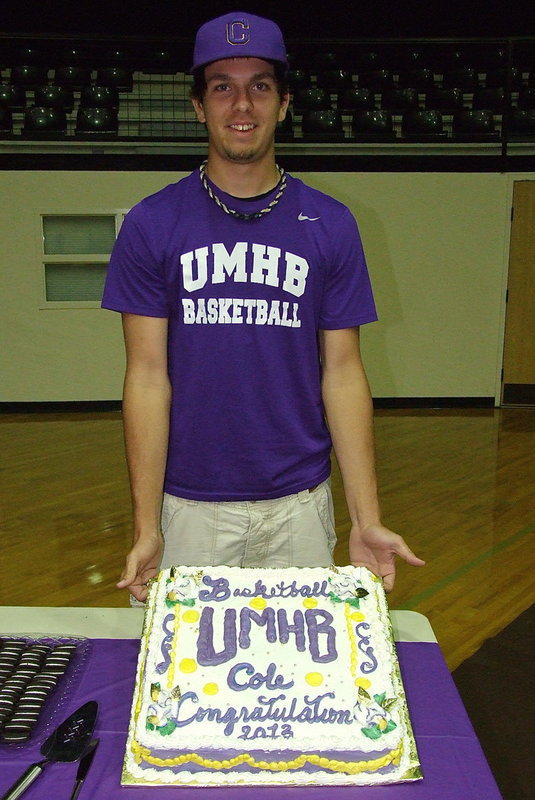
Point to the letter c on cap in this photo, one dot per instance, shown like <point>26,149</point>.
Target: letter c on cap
<point>238,32</point>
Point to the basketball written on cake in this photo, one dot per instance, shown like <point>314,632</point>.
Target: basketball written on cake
<point>268,676</point>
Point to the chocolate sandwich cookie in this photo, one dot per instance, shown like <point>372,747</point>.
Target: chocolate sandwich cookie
<point>9,660</point>
<point>10,693</point>
<point>31,715</point>
<point>47,682</point>
<point>55,664</point>
<point>65,648</point>
<point>31,703</point>
<point>26,674</point>
<point>57,655</point>
<point>7,704</point>
<point>16,681</point>
<point>38,647</point>
<point>16,733</point>
<point>59,660</point>
<point>32,658</point>
<point>8,686</point>
<point>4,717</point>
<point>53,672</point>
<point>24,719</point>
<point>13,647</point>
<point>37,693</point>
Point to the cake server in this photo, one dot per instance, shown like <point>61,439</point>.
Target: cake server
<point>67,743</point>
<point>83,767</point>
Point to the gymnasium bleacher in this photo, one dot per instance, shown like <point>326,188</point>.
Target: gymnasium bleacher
<point>444,93</point>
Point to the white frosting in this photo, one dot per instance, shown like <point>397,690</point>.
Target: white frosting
<point>271,662</point>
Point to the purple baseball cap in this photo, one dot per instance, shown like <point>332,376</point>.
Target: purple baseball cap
<point>238,35</point>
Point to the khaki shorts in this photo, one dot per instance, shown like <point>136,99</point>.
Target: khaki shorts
<point>293,531</point>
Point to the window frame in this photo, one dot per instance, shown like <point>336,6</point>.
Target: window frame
<point>89,259</point>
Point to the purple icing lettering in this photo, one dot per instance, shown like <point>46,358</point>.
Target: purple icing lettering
<point>298,628</point>
<point>266,617</point>
<point>270,680</point>
<point>239,687</point>
<point>220,590</point>
<point>316,627</point>
<point>166,645</point>
<point>274,681</point>
<point>206,654</point>
<point>260,589</point>
<point>187,696</point>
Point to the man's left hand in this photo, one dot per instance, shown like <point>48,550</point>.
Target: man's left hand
<point>376,548</point>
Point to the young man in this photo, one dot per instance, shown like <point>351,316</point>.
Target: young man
<point>242,291</point>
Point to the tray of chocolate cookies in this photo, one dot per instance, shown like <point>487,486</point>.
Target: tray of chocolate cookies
<point>38,673</point>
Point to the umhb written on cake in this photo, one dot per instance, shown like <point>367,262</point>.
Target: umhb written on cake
<point>268,676</point>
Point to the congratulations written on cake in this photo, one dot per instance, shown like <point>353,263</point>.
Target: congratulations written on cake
<point>268,676</point>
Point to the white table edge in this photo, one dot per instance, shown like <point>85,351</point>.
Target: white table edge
<point>126,623</point>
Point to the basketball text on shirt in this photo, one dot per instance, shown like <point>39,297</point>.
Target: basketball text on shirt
<point>248,262</point>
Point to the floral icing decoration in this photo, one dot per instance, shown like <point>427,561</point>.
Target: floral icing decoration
<point>181,589</point>
<point>162,709</point>
<point>373,714</point>
<point>345,590</point>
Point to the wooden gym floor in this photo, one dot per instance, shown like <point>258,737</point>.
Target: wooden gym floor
<point>459,485</point>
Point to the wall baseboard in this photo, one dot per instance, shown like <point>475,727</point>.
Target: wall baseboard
<point>54,407</point>
<point>85,406</point>
<point>519,394</point>
<point>433,402</point>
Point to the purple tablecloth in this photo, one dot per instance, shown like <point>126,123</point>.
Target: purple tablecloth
<point>453,763</point>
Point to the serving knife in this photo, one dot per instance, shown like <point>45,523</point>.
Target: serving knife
<point>83,767</point>
<point>67,743</point>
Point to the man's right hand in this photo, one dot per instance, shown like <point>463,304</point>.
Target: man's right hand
<point>142,564</point>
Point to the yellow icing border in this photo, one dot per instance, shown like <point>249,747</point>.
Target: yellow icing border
<point>351,767</point>
<point>171,671</point>
<point>352,640</point>
<point>145,638</point>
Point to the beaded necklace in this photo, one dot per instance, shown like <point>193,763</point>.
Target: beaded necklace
<point>238,214</point>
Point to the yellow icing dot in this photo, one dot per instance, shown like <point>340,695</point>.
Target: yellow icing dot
<point>310,602</point>
<point>364,682</point>
<point>190,615</point>
<point>314,678</point>
<point>358,616</point>
<point>187,665</point>
<point>211,688</point>
<point>258,602</point>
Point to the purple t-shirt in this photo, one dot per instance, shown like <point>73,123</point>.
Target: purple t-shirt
<point>245,301</point>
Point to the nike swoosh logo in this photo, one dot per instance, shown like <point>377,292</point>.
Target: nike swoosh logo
<point>303,217</point>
